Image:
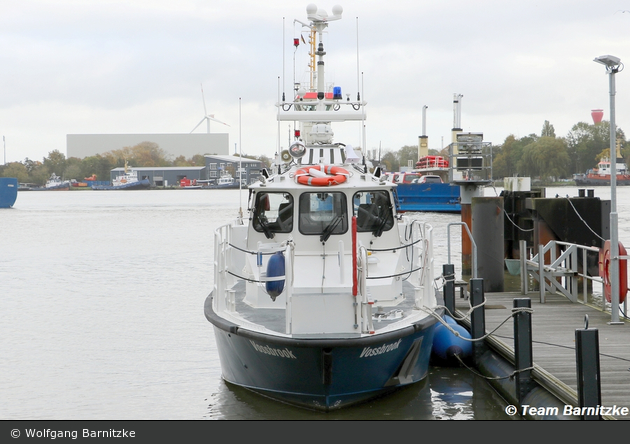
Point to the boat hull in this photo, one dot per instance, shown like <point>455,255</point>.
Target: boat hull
<point>62,187</point>
<point>8,191</point>
<point>434,197</point>
<point>596,181</point>
<point>322,373</point>
<point>140,185</point>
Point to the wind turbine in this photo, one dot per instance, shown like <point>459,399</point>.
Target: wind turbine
<point>207,117</point>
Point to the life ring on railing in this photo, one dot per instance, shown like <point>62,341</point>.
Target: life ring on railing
<point>321,175</point>
<point>604,272</point>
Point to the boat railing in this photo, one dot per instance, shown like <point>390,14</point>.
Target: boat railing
<point>230,260</point>
<point>363,314</point>
<point>422,250</point>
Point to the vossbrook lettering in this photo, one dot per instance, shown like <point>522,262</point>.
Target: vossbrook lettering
<point>368,351</point>
<point>282,353</point>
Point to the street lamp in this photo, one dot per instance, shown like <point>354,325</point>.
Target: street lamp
<point>613,66</point>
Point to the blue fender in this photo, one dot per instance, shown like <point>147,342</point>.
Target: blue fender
<point>275,268</point>
<point>446,345</point>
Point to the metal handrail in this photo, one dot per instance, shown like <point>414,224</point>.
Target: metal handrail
<point>474,246</point>
<point>571,267</point>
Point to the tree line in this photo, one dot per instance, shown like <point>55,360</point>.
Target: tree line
<point>145,154</point>
<point>544,156</point>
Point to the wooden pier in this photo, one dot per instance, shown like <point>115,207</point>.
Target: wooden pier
<point>553,342</point>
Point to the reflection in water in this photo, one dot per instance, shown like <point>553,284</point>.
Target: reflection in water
<point>447,393</point>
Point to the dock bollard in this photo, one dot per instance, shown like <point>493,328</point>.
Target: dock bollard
<point>478,315</point>
<point>588,377</point>
<point>448,271</point>
<point>523,355</point>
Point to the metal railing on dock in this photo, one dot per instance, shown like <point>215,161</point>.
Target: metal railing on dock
<point>561,273</point>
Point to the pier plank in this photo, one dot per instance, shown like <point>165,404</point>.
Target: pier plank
<point>553,333</point>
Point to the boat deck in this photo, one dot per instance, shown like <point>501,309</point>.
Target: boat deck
<point>274,319</point>
<point>553,334</point>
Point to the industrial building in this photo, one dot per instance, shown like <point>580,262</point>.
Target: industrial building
<point>216,166</point>
<point>249,169</point>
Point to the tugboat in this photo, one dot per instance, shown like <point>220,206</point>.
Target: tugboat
<point>323,295</point>
<point>54,183</point>
<point>126,181</point>
<point>601,174</point>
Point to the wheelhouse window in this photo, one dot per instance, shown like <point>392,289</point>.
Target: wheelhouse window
<point>323,214</point>
<point>273,213</point>
<point>373,210</point>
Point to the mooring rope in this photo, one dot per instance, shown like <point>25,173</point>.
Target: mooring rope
<point>433,313</point>
<point>492,378</point>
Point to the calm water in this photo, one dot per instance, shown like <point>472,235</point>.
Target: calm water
<point>101,315</point>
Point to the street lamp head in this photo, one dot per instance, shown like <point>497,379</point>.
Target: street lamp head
<point>608,60</point>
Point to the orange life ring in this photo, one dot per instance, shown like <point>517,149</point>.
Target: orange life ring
<point>321,175</point>
<point>604,272</point>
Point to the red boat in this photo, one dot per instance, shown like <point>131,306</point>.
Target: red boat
<point>601,174</point>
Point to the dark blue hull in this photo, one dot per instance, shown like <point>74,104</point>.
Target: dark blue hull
<point>435,197</point>
<point>142,184</point>
<point>322,374</point>
<point>8,191</point>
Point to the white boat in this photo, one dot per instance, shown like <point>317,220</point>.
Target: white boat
<point>55,183</point>
<point>226,181</point>
<point>323,296</point>
<point>127,181</point>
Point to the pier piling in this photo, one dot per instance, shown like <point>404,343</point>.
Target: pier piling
<point>523,355</point>
<point>448,270</point>
<point>588,372</point>
<point>477,317</point>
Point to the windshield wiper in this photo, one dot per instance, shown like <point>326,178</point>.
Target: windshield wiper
<point>330,228</point>
<point>265,228</point>
<point>383,218</point>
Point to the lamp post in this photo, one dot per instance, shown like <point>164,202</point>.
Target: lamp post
<point>613,65</point>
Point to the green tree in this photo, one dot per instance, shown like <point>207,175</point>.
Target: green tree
<point>546,158</point>
<point>552,157</point>
<point>99,165</point>
<point>17,170</point>
<point>406,154</point>
<point>390,161</point>
<point>74,171</point>
<point>181,161</point>
<point>198,160</point>
<point>507,157</point>
<point>585,143</point>
<point>55,162</point>
<point>548,130</point>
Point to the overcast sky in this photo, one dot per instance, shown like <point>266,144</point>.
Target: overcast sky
<point>136,66</point>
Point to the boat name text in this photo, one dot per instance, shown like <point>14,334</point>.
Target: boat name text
<point>385,348</point>
<point>281,353</point>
